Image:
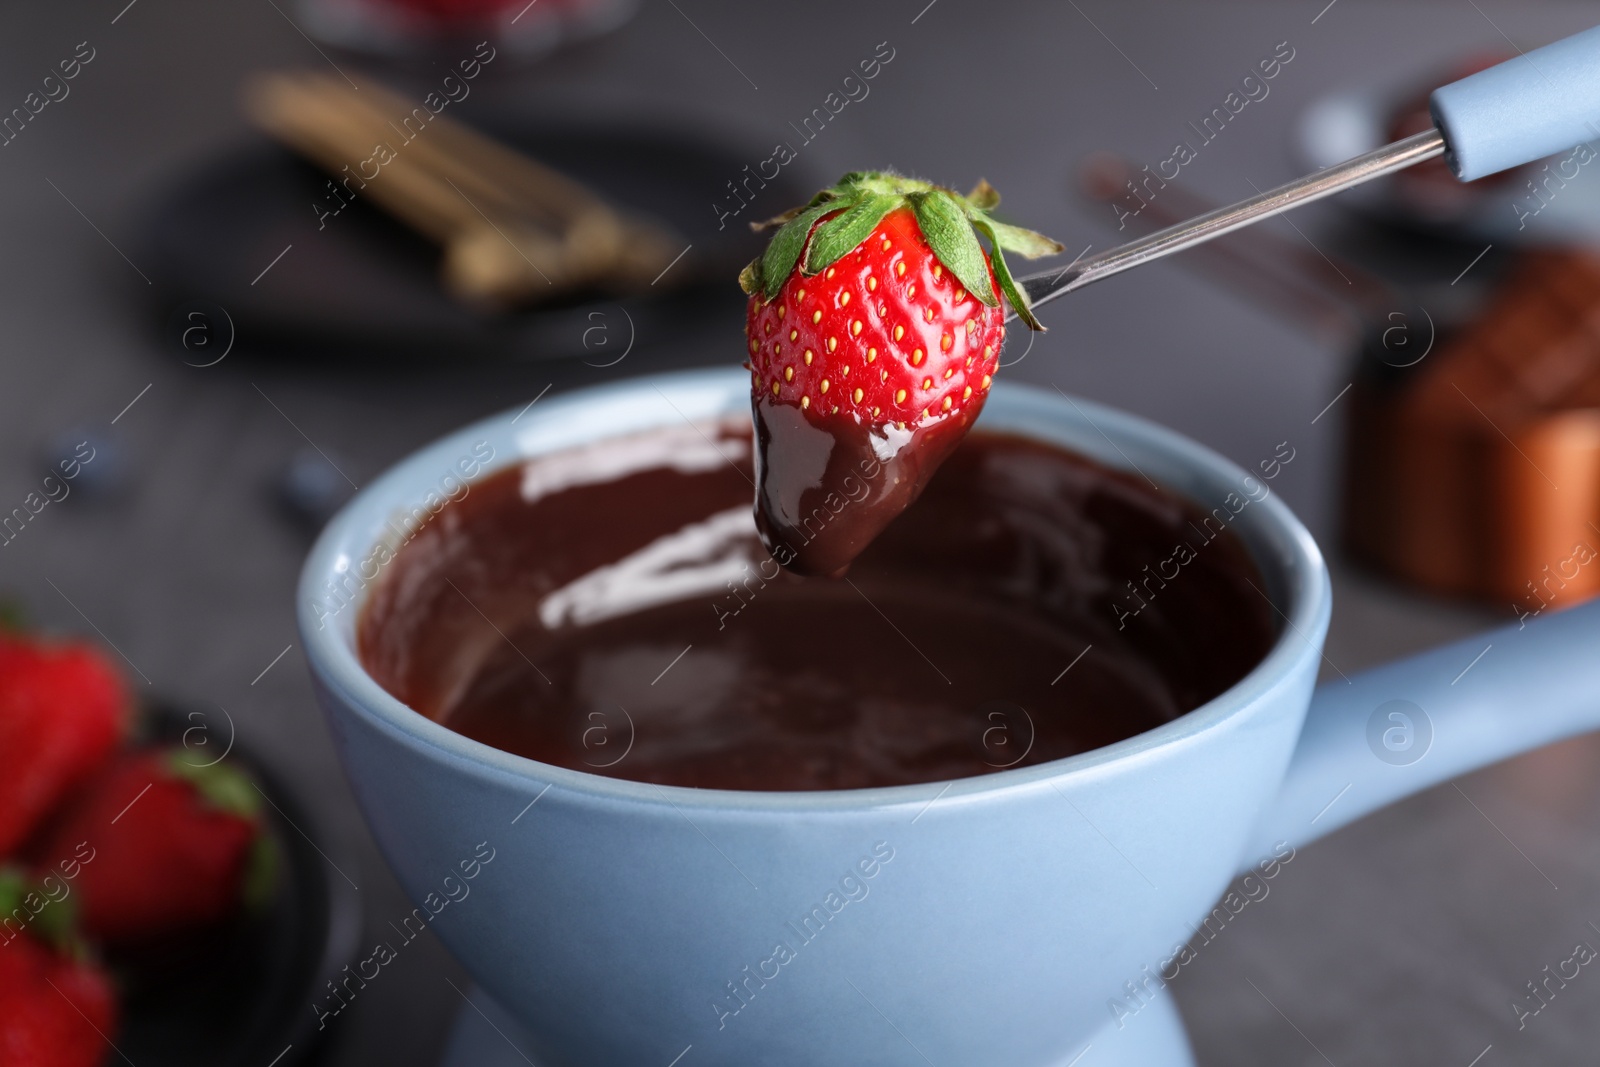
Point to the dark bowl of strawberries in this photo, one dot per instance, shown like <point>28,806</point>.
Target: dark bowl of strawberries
<point>163,898</point>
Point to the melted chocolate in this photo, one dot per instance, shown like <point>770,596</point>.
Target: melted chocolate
<point>826,486</point>
<point>612,610</point>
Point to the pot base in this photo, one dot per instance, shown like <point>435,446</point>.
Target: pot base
<point>486,1035</point>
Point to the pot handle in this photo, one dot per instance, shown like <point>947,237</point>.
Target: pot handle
<point>1400,728</point>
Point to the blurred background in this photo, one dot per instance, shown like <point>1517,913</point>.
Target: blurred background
<point>195,291</point>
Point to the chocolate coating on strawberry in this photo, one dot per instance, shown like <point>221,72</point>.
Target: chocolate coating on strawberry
<point>874,331</point>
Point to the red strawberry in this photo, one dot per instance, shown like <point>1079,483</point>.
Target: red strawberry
<point>62,712</point>
<point>174,847</point>
<point>874,328</point>
<point>56,1010</point>
<point>463,10</point>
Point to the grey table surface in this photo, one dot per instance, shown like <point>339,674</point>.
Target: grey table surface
<point>1401,939</point>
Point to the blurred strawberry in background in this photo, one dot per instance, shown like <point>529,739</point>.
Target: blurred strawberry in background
<point>468,11</point>
<point>56,1006</point>
<point>103,848</point>
<point>63,711</point>
<point>177,847</point>
<point>459,10</point>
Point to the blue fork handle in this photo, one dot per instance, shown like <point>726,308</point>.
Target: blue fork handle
<point>1400,728</point>
<point>1540,103</point>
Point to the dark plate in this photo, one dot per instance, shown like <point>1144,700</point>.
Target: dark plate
<point>366,287</point>
<point>242,994</point>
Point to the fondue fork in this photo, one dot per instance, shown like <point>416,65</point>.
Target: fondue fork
<point>1524,109</point>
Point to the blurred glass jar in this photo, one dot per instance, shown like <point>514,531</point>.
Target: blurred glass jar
<point>525,29</point>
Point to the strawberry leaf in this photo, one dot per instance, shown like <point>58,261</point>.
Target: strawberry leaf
<point>949,222</point>
<point>1008,285</point>
<point>58,922</point>
<point>14,885</point>
<point>984,196</point>
<point>750,277</point>
<point>780,219</point>
<point>261,874</point>
<point>844,232</point>
<point>775,221</point>
<point>784,251</point>
<point>949,233</point>
<point>1023,242</point>
<point>221,787</point>
<point>51,919</point>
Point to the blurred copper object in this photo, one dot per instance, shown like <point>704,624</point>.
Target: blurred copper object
<point>1472,466</point>
<point>1478,472</point>
<point>513,231</point>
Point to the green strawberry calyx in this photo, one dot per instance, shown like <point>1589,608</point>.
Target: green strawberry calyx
<point>221,787</point>
<point>950,223</point>
<point>225,789</point>
<point>34,901</point>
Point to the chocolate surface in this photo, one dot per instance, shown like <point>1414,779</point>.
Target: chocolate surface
<point>612,609</point>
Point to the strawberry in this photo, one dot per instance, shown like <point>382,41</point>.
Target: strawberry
<point>874,328</point>
<point>175,847</point>
<point>63,710</point>
<point>56,1009</point>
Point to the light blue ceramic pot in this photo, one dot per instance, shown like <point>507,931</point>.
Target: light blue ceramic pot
<point>1004,916</point>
